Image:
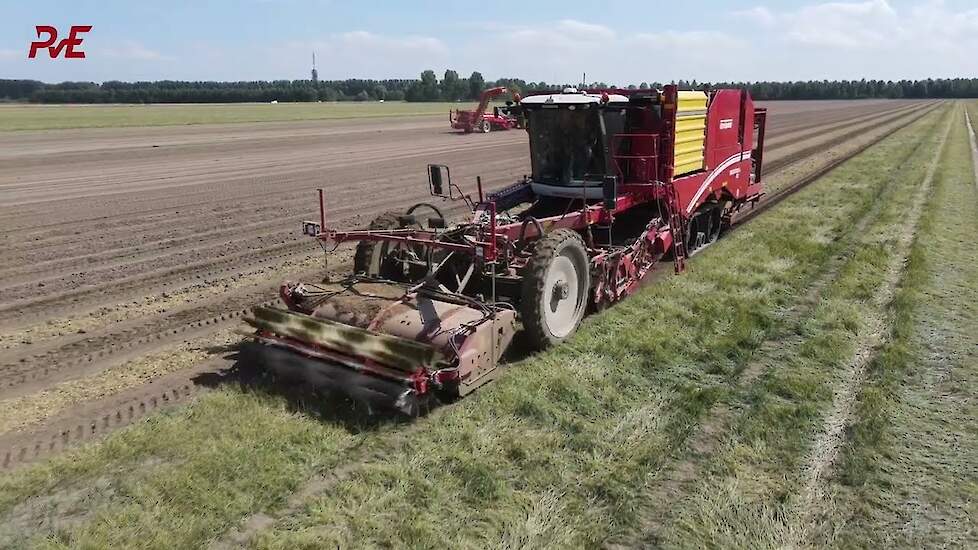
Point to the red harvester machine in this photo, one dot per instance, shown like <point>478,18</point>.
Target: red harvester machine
<point>620,180</point>
<point>501,118</point>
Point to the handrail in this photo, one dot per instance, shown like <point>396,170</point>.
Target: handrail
<point>646,165</point>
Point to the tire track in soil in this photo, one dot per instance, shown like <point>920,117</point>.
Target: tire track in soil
<point>870,340</point>
<point>703,438</point>
<point>974,146</point>
<point>31,448</point>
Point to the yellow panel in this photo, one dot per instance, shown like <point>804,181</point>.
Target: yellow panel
<point>691,101</point>
<point>688,167</point>
<point>687,123</point>
<point>690,133</point>
<point>694,158</point>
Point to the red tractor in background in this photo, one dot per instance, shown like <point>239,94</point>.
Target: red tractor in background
<point>501,118</point>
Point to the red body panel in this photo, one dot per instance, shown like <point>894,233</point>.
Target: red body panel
<point>728,148</point>
<point>728,151</point>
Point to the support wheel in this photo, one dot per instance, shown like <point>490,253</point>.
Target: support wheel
<point>485,127</point>
<point>556,286</point>
<point>368,259</point>
<point>704,228</point>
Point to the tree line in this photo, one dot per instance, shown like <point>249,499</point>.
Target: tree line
<point>451,87</point>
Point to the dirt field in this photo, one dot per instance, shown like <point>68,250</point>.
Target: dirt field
<point>130,253</point>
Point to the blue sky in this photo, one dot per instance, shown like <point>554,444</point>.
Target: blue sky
<point>618,42</point>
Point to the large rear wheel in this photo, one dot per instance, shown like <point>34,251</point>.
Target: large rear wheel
<point>556,286</point>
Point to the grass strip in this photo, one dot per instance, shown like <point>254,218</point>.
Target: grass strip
<point>750,488</point>
<point>909,474</point>
<point>692,460</point>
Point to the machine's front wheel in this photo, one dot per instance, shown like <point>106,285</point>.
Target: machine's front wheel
<point>485,126</point>
<point>368,259</point>
<point>556,286</point>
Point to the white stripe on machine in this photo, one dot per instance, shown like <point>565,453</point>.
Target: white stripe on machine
<point>743,155</point>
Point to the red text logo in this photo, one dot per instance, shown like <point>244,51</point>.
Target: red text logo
<point>67,45</point>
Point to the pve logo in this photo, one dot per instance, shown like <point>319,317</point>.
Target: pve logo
<point>67,45</point>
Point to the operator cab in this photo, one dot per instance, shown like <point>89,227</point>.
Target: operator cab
<point>570,141</point>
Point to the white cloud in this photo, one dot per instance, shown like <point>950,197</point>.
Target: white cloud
<point>870,24</point>
<point>554,40</point>
<point>560,50</point>
<point>362,54</point>
<point>11,54</point>
<point>865,39</point>
<point>849,25</point>
<point>385,44</point>
<point>130,50</point>
<point>758,14</point>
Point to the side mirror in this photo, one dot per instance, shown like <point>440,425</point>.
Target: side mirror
<point>609,191</point>
<point>438,178</point>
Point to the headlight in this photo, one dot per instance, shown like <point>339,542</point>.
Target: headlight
<point>311,229</point>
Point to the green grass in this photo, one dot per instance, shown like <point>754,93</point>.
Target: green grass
<point>560,451</point>
<point>47,117</point>
<point>909,474</point>
<point>747,493</point>
<point>174,480</point>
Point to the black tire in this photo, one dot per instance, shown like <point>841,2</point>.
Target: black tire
<point>369,255</point>
<point>543,324</point>
<point>716,225</point>
<point>707,222</point>
<point>485,127</point>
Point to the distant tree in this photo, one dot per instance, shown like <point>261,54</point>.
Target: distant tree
<point>452,89</point>
<point>514,85</point>
<point>429,86</point>
<point>329,94</point>
<point>476,85</point>
<point>305,94</point>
